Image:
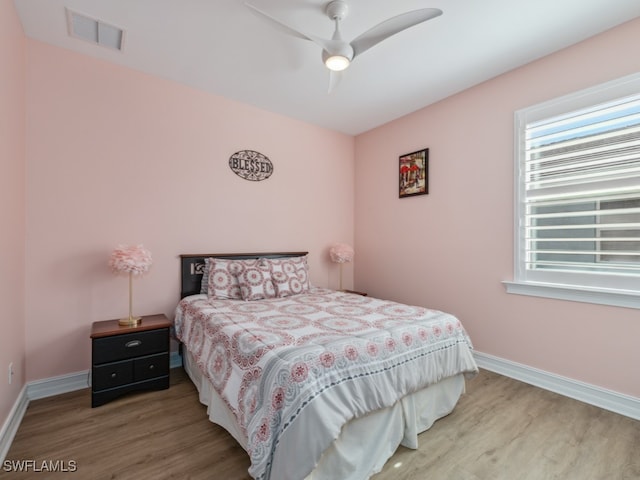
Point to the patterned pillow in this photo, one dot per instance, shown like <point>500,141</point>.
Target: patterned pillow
<point>290,275</point>
<point>255,282</point>
<point>223,281</point>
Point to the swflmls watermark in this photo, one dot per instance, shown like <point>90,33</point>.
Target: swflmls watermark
<point>38,466</point>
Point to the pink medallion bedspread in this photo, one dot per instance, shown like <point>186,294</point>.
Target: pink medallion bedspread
<point>294,370</point>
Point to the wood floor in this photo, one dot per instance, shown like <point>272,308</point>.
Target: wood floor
<point>502,429</point>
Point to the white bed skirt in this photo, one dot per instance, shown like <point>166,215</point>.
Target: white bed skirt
<point>366,443</point>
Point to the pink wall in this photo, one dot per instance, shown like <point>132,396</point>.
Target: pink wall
<point>12,205</point>
<point>452,248</point>
<point>117,156</point>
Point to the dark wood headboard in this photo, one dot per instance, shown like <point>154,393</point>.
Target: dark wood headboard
<point>192,266</point>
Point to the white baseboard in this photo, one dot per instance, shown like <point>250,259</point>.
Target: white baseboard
<point>600,397</point>
<point>49,387</point>
<point>11,424</point>
<point>593,395</point>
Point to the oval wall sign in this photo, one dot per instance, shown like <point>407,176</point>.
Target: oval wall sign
<point>251,165</point>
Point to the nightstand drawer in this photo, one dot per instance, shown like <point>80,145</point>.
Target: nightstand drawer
<point>151,366</point>
<point>112,375</point>
<point>129,345</point>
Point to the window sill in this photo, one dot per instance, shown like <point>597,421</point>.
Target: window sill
<point>617,298</point>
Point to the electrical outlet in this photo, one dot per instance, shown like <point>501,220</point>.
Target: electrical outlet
<point>10,372</point>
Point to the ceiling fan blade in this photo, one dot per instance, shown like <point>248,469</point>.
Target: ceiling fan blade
<point>390,27</point>
<point>283,27</point>
<point>334,80</point>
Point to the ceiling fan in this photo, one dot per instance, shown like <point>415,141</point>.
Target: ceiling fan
<point>337,54</point>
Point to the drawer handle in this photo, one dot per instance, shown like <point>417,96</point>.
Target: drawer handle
<point>114,375</point>
<point>133,343</point>
<point>151,367</point>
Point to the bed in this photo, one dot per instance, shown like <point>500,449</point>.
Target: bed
<point>314,384</point>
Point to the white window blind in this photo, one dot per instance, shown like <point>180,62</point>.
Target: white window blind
<point>578,191</point>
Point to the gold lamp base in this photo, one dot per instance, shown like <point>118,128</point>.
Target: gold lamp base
<point>130,321</point>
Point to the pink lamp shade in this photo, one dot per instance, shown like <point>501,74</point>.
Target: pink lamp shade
<point>134,259</point>
<point>341,253</point>
<point>131,260</point>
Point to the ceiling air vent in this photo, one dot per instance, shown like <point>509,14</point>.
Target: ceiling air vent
<point>94,31</point>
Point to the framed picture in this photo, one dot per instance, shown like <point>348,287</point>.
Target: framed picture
<point>414,173</point>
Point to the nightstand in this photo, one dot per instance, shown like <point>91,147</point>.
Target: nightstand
<point>129,359</point>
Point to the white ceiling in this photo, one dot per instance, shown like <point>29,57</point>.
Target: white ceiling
<point>221,47</point>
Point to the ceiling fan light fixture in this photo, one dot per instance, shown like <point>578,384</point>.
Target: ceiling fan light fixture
<point>338,54</point>
<point>337,63</point>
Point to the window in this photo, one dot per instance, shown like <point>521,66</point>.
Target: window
<point>578,196</point>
